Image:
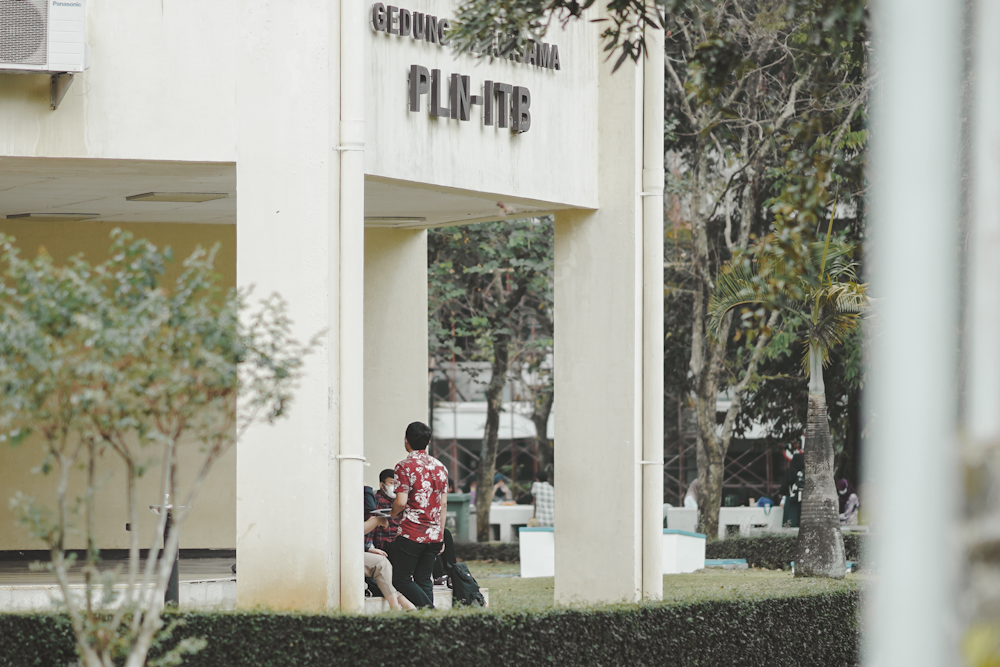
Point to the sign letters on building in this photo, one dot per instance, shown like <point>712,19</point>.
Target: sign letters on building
<point>450,95</point>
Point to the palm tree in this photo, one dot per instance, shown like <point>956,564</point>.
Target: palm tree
<point>815,288</point>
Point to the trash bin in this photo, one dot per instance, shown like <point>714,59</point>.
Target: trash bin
<point>457,520</point>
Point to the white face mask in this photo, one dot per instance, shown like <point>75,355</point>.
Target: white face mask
<point>390,491</point>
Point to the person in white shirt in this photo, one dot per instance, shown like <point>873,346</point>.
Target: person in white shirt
<point>544,500</point>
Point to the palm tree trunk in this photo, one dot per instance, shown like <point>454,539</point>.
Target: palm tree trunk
<point>820,548</point>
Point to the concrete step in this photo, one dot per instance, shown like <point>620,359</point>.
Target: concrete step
<point>207,594</point>
<point>442,600</point>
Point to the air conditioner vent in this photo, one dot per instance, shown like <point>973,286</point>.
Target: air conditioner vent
<point>24,31</point>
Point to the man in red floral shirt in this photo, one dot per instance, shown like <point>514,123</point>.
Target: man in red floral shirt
<point>421,504</point>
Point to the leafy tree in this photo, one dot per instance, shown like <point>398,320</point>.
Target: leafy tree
<point>487,284</point>
<point>765,105</point>
<point>814,288</point>
<point>765,110</point>
<point>104,358</point>
<point>779,397</point>
<point>505,28</point>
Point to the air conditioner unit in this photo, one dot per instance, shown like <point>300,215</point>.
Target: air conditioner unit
<point>43,36</point>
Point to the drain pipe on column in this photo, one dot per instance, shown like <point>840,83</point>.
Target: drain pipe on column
<point>351,290</point>
<point>652,317</point>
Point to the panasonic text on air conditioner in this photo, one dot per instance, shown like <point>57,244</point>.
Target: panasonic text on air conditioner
<point>43,35</point>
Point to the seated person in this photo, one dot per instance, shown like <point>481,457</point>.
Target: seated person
<point>382,537</point>
<point>444,560</point>
<point>500,486</point>
<point>849,503</point>
<point>378,567</point>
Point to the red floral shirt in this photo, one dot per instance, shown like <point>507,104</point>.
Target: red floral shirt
<point>425,479</point>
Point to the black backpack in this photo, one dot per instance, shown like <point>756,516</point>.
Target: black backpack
<point>465,589</point>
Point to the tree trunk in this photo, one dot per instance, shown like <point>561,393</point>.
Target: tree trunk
<point>820,548</point>
<point>488,452</point>
<point>711,469</point>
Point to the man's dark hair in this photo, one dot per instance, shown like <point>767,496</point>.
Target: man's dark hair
<point>418,434</point>
<point>542,476</point>
<point>386,474</point>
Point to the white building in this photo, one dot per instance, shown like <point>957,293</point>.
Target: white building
<point>311,140</point>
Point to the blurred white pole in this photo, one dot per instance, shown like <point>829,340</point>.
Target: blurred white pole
<point>352,303</point>
<point>982,413</point>
<point>652,316</point>
<point>983,419</point>
<point>911,614</point>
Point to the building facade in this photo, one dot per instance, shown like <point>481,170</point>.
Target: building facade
<point>324,138</point>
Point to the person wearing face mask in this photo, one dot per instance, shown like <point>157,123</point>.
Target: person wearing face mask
<point>383,536</point>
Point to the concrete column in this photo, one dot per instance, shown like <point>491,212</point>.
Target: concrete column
<point>395,342</point>
<point>598,364</point>
<point>288,546</point>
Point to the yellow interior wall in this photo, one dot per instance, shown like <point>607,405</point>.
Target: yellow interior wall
<point>212,524</point>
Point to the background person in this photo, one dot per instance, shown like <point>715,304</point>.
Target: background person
<point>500,486</point>
<point>849,503</point>
<point>421,504</point>
<point>792,485</point>
<point>691,496</point>
<point>544,500</point>
<point>383,536</point>
<point>378,567</point>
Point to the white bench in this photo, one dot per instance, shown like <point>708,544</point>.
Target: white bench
<point>505,517</point>
<point>683,551</point>
<point>747,519</point>
<point>681,518</point>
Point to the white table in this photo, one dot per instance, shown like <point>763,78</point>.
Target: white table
<point>681,518</point>
<point>508,516</point>
<point>750,517</point>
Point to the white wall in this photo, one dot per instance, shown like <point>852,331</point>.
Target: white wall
<point>287,241</point>
<point>161,85</point>
<point>396,389</point>
<point>555,160</point>
<point>598,364</point>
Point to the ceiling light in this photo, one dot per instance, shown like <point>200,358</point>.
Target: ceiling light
<point>54,217</point>
<point>186,197</point>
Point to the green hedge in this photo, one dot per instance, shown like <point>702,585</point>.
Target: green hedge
<point>508,552</point>
<point>42,640</point>
<point>776,552</point>
<point>767,632</point>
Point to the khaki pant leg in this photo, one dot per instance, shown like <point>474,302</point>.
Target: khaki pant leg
<point>380,569</point>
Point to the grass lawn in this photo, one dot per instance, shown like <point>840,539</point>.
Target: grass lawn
<point>508,592</point>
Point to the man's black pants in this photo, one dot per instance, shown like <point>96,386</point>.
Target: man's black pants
<point>412,565</point>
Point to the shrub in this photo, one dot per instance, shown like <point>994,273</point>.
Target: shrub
<point>508,552</point>
<point>775,552</point>
<point>766,631</point>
